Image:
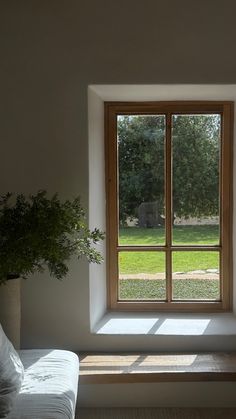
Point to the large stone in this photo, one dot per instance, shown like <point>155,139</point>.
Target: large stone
<point>149,215</point>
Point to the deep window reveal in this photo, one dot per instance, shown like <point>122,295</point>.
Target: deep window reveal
<point>169,205</point>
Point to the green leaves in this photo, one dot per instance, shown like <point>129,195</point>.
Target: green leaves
<point>195,160</point>
<point>38,232</point>
<point>141,162</point>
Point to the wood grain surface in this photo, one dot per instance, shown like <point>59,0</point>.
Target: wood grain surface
<point>125,368</point>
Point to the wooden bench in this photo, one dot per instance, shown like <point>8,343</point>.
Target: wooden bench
<point>153,367</point>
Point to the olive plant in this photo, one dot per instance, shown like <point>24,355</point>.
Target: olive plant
<point>37,232</point>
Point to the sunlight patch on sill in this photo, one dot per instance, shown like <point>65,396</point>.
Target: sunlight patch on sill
<point>166,325</point>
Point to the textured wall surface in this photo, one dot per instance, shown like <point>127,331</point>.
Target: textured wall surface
<point>50,52</point>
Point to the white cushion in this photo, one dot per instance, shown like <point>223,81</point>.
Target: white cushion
<point>49,389</point>
<point>11,374</point>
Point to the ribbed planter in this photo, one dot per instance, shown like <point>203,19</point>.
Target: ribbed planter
<point>10,310</point>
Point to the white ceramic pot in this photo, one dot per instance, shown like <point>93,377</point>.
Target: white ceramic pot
<point>10,310</point>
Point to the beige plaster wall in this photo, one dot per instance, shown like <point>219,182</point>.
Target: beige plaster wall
<point>50,51</point>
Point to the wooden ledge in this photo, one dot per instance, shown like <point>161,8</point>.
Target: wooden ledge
<point>149,367</point>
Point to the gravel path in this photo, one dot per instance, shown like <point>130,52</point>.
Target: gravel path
<point>176,275</point>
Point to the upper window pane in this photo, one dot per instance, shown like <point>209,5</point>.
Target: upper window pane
<point>196,162</point>
<point>141,179</point>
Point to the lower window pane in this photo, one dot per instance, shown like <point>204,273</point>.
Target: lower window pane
<point>142,276</point>
<point>195,275</point>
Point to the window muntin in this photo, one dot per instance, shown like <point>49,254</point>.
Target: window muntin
<point>158,125</point>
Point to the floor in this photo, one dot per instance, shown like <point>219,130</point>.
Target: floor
<point>156,413</point>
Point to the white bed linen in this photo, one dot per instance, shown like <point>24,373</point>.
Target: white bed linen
<point>11,375</point>
<point>50,385</point>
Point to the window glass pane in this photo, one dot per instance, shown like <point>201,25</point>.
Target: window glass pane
<point>142,276</point>
<point>196,154</point>
<point>141,177</point>
<point>196,275</point>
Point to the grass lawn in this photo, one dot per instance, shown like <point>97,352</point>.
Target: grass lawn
<point>138,289</point>
<point>199,234</point>
<point>154,262</point>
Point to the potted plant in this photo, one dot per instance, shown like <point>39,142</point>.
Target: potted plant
<point>37,232</point>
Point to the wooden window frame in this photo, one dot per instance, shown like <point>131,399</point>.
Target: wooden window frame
<point>226,109</point>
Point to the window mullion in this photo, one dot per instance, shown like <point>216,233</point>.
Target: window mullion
<point>168,208</point>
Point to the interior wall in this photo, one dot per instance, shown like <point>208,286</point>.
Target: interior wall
<point>50,52</point>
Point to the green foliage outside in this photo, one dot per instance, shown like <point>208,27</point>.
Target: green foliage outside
<point>38,232</point>
<point>195,152</point>
<point>195,193</point>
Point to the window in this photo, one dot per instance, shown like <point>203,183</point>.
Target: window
<point>169,204</point>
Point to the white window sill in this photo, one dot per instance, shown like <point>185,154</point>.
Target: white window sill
<point>220,324</point>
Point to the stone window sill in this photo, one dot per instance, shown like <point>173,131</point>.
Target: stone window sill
<point>220,324</point>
